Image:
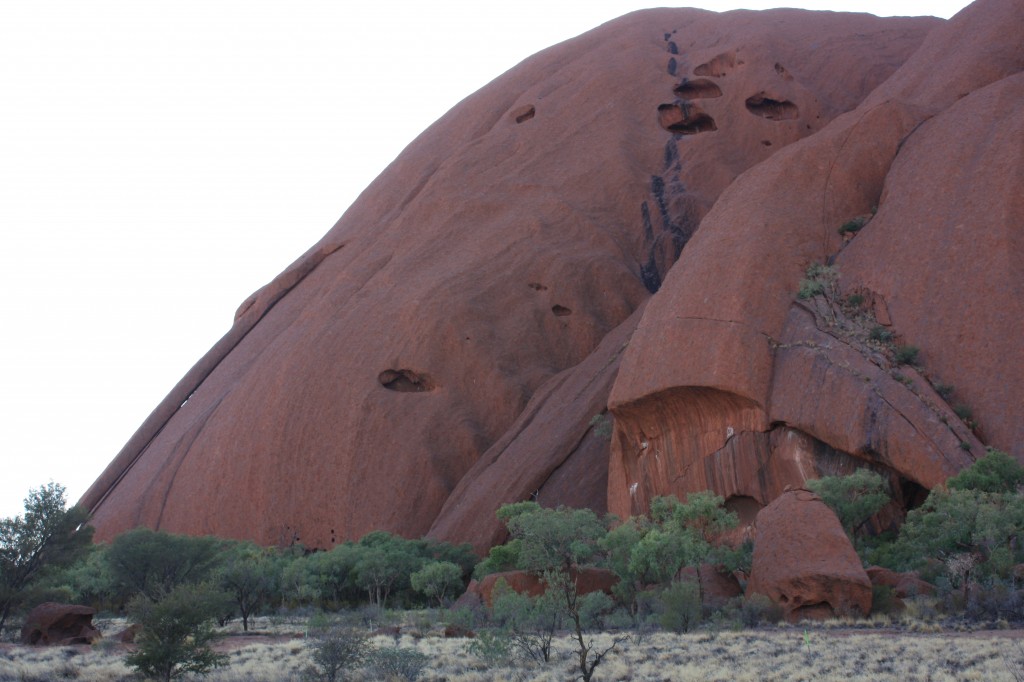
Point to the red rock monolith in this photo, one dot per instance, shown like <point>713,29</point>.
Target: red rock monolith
<point>616,230</point>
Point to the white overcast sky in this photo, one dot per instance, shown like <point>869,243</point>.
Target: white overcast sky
<point>160,161</point>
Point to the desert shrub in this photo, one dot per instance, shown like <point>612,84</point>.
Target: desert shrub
<point>680,608</point>
<point>906,355</point>
<point>820,280</point>
<point>944,390</point>
<point>810,288</point>
<point>994,599</point>
<point>853,226</point>
<point>398,662</point>
<point>177,631</point>
<point>758,609</point>
<point>529,623</point>
<point>880,334</point>
<point>334,651</point>
<point>601,426</point>
<point>494,647</point>
<point>884,600</point>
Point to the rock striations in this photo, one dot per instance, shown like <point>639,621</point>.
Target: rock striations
<point>580,286</point>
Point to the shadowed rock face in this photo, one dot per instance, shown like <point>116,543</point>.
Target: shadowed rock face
<point>621,223</point>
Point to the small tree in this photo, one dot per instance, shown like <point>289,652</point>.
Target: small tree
<point>176,632</point>
<point>249,575</point>
<point>47,536</point>
<point>436,580</point>
<point>555,544</point>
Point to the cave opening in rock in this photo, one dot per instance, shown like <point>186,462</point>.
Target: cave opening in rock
<point>405,381</point>
<point>698,88</point>
<point>684,120</point>
<point>772,109</point>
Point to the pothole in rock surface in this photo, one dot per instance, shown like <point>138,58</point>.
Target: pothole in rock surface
<point>698,88</point>
<point>771,108</point>
<point>524,114</point>
<point>560,310</point>
<point>405,381</point>
<point>684,119</point>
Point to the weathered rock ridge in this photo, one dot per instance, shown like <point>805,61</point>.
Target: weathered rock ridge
<point>579,286</point>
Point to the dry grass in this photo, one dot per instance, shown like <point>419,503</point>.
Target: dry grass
<point>824,652</point>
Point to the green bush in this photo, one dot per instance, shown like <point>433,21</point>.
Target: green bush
<point>398,662</point>
<point>853,226</point>
<point>996,472</point>
<point>810,288</point>
<point>436,580</point>
<point>335,650</point>
<point>963,411</point>
<point>176,633</point>
<point>906,355</point>
<point>680,609</point>
<point>854,498</point>
<point>758,609</point>
<point>880,334</point>
<point>494,648</point>
<point>884,600</point>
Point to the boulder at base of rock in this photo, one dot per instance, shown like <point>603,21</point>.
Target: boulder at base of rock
<point>904,585</point>
<point>59,624</point>
<point>804,561</point>
<point>587,580</point>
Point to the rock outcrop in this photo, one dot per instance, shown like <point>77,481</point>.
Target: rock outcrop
<point>579,287</point>
<point>587,580</point>
<point>51,623</point>
<point>804,561</point>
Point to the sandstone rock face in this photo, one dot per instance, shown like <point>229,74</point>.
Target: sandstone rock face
<point>719,364</point>
<point>59,624</point>
<point>804,561</point>
<point>614,231</point>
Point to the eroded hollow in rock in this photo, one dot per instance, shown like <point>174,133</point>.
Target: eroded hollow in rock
<point>560,310</point>
<point>744,507</point>
<point>405,381</point>
<point>537,286</point>
<point>772,109</point>
<point>684,119</point>
<point>698,88</point>
<point>524,114</point>
<point>719,67</point>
